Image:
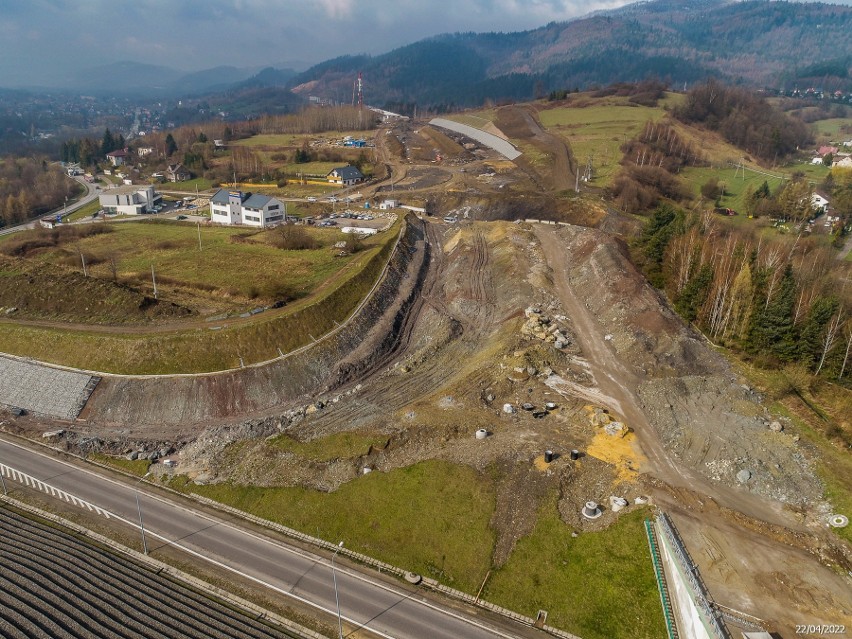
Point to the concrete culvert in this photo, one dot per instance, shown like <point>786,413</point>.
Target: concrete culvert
<point>481,433</point>
<point>591,510</point>
<point>838,521</point>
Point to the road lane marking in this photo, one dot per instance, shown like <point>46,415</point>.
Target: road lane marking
<point>403,595</point>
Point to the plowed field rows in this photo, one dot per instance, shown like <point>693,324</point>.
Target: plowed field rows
<point>55,586</point>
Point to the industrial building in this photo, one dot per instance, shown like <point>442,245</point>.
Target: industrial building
<point>130,200</point>
<point>251,209</point>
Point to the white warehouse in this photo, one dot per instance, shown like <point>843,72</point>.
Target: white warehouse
<point>129,200</point>
<point>236,207</point>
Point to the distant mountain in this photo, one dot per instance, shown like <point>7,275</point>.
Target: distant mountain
<point>136,79</point>
<point>216,79</point>
<point>124,77</point>
<point>268,77</point>
<point>755,42</point>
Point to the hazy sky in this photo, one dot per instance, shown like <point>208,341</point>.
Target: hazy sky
<point>40,40</point>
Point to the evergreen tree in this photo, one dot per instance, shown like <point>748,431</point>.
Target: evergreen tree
<point>810,344</point>
<point>107,143</point>
<point>694,293</point>
<point>171,145</point>
<point>772,329</point>
<point>665,222</point>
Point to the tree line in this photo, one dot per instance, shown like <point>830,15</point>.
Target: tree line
<point>744,119</point>
<point>30,187</point>
<point>777,301</point>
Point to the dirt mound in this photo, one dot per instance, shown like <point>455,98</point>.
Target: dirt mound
<point>556,170</point>
<point>49,293</point>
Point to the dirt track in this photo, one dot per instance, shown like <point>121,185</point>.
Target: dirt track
<point>452,353</point>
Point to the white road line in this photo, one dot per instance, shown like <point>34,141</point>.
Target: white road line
<point>297,552</point>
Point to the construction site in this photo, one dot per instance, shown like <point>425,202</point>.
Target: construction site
<point>511,351</point>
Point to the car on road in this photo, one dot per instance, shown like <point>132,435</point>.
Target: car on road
<point>180,217</point>
<point>312,199</point>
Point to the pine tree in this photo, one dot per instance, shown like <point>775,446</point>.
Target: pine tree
<point>778,329</point>
<point>811,339</point>
<point>694,293</point>
<point>107,143</point>
<point>171,145</point>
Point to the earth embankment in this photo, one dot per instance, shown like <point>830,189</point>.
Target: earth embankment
<point>178,402</point>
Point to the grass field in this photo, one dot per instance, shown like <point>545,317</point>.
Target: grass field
<point>133,466</point>
<point>189,186</point>
<point>599,585</point>
<point>200,350</point>
<point>597,132</point>
<point>217,271</point>
<point>271,140</point>
<point>834,129</point>
<point>343,445</point>
<point>736,186</point>
<point>84,212</point>
<point>433,518</point>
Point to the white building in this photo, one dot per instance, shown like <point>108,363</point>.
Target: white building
<point>386,205</point>
<point>130,200</point>
<point>236,207</point>
<point>818,203</point>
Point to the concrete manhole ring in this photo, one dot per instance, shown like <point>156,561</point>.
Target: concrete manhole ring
<point>838,521</point>
<point>413,578</point>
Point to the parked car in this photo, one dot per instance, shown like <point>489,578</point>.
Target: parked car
<point>180,217</point>
<point>312,199</point>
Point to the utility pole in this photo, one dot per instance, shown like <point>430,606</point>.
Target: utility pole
<point>154,280</point>
<point>83,260</point>
<point>199,234</point>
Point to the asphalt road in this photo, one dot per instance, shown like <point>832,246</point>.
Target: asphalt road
<point>91,194</point>
<point>386,611</point>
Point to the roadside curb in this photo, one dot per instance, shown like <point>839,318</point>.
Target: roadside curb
<point>381,566</point>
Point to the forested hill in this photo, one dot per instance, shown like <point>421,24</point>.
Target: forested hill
<point>760,43</point>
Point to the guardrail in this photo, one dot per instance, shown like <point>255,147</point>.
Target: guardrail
<point>701,597</point>
<point>656,560</point>
<point>382,566</point>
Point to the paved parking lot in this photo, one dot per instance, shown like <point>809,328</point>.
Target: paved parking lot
<point>43,390</point>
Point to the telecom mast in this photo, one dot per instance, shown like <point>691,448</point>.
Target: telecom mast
<point>360,91</point>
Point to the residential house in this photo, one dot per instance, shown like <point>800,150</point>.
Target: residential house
<point>386,205</point>
<point>178,173</point>
<point>130,200</point>
<point>251,209</point>
<point>844,162</point>
<point>345,176</point>
<point>825,150</point>
<point>117,158</point>
<point>819,204</point>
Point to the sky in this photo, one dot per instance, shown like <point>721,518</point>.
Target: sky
<point>43,41</point>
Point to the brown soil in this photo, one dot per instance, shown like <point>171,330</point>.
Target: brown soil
<point>440,357</point>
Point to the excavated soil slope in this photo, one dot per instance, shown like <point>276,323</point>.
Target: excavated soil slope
<point>172,407</point>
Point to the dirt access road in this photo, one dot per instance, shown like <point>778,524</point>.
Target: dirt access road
<point>756,554</point>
